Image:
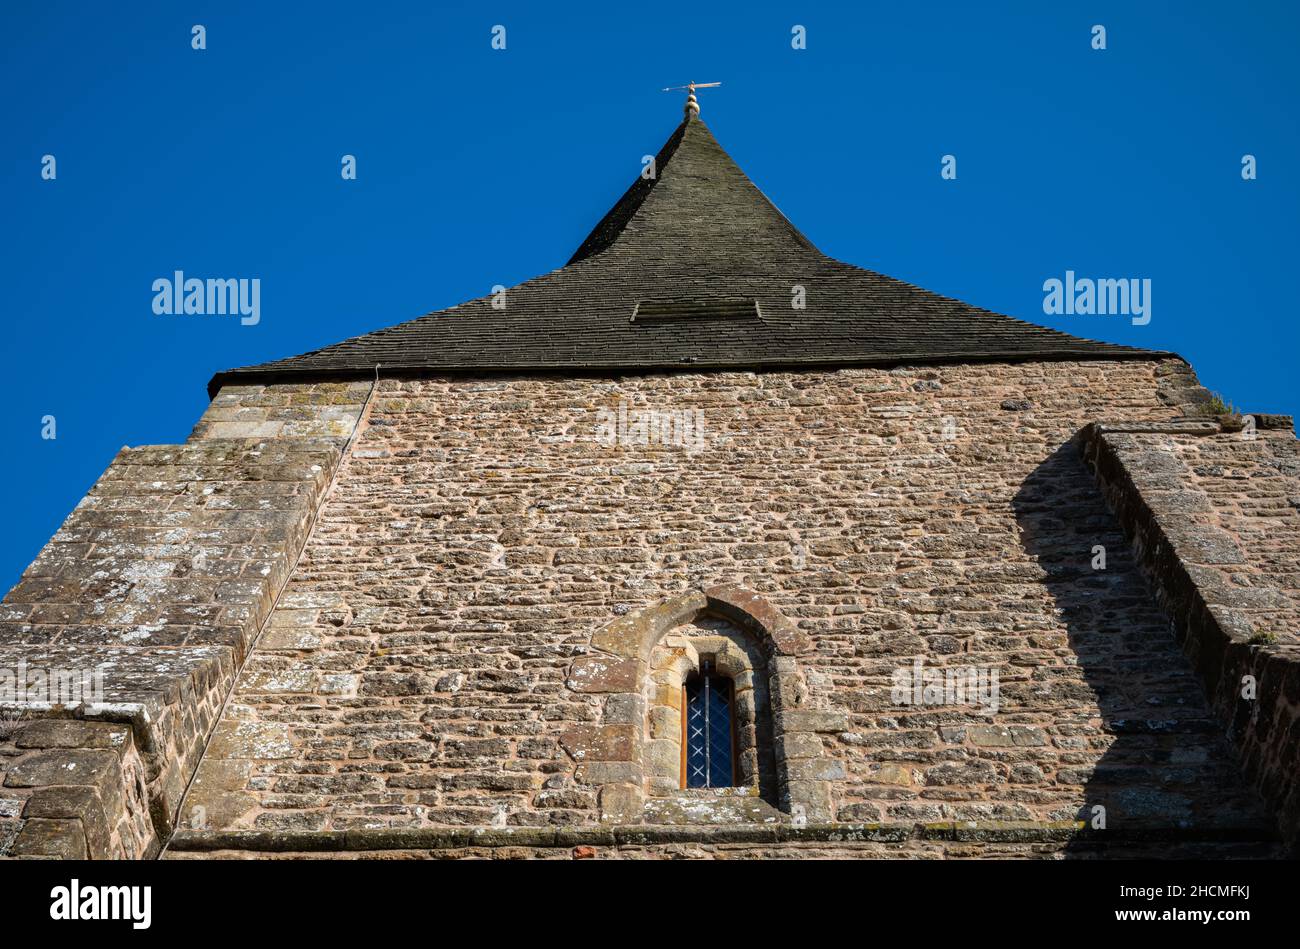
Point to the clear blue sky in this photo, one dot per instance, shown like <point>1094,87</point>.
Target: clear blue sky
<point>478,167</point>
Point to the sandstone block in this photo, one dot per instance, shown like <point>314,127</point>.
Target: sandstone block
<point>61,839</point>
<point>600,742</point>
<point>621,803</point>
<point>65,766</point>
<point>599,674</point>
<point>252,740</point>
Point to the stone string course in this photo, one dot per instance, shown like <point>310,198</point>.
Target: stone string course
<point>415,673</point>
<point>706,850</point>
<point>1214,514</point>
<point>990,839</point>
<point>161,578</point>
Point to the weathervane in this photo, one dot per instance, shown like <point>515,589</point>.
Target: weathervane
<point>692,104</point>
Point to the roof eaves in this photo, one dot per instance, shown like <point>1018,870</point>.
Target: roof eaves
<point>253,376</point>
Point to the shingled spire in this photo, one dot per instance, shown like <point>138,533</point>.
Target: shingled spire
<point>692,266</point>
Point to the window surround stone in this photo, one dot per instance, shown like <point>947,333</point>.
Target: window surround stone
<point>738,658</point>
<point>621,754</point>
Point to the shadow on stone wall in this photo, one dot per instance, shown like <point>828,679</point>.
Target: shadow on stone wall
<point>1134,729</point>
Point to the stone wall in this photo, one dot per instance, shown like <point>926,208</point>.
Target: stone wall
<point>424,666</point>
<point>155,588</point>
<point>1213,509</point>
<point>481,531</point>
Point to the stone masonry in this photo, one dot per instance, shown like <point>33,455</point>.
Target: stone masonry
<point>464,547</point>
<point>417,671</point>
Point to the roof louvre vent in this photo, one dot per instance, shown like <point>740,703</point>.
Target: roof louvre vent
<point>692,309</point>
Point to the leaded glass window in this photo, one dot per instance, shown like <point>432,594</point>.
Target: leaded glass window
<point>709,742</point>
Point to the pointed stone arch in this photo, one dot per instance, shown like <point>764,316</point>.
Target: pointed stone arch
<point>632,663</point>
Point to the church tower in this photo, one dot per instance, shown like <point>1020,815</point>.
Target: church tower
<point>704,544</point>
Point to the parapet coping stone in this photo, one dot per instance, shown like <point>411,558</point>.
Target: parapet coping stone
<point>1211,425</point>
